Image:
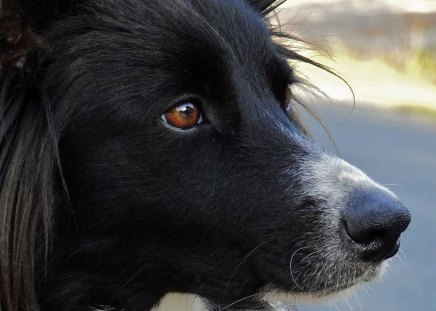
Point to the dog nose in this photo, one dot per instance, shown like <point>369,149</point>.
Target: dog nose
<point>374,219</point>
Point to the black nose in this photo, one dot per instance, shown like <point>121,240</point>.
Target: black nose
<point>374,219</point>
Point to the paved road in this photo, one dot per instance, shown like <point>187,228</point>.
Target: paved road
<point>398,151</point>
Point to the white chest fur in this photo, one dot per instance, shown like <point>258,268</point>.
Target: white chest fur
<point>179,302</point>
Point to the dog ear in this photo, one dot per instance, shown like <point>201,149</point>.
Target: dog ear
<point>21,21</point>
<point>40,13</point>
<point>266,6</point>
<point>28,161</point>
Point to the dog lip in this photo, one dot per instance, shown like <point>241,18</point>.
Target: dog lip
<point>372,252</point>
<point>390,252</point>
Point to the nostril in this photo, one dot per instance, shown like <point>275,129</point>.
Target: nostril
<point>376,246</point>
<point>360,234</point>
<point>380,250</point>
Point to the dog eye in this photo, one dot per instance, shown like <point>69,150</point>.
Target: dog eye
<point>183,116</point>
<point>287,106</point>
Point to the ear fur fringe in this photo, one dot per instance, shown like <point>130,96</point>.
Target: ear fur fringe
<point>26,188</point>
<point>266,6</point>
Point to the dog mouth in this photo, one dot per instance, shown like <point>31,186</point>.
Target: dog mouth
<point>324,276</point>
<point>318,271</point>
<point>324,265</point>
<point>274,297</point>
<point>338,286</point>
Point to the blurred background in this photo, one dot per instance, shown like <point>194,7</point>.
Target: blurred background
<point>386,51</point>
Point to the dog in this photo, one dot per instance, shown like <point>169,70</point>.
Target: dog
<point>153,147</point>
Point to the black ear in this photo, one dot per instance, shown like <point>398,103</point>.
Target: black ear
<point>21,21</point>
<point>266,6</point>
<point>40,13</point>
<point>27,176</point>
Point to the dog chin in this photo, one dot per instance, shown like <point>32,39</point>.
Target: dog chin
<point>280,299</point>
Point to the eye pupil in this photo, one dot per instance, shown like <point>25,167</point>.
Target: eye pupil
<point>186,110</point>
<point>183,116</point>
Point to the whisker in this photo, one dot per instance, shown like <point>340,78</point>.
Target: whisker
<point>365,290</point>
<point>356,297</point>
<point>403,257</point>
<point>290,267</point>
<point>394,185</point>
<point>240,300</point>
<point>242,261</point>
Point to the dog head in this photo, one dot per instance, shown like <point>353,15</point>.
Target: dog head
<point>186,167</point>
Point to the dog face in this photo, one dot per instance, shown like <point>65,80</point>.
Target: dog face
<point>187,169</point>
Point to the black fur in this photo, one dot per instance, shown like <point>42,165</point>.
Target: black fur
<point>104,205</point>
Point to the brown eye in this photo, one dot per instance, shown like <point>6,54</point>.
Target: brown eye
<point>287,106</point>
<point>184,116</point>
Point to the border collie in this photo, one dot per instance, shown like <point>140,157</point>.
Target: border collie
<point>150,147</point>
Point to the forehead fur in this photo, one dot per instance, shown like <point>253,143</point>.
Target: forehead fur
<point>167,26</point>
<point>134,43</point>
